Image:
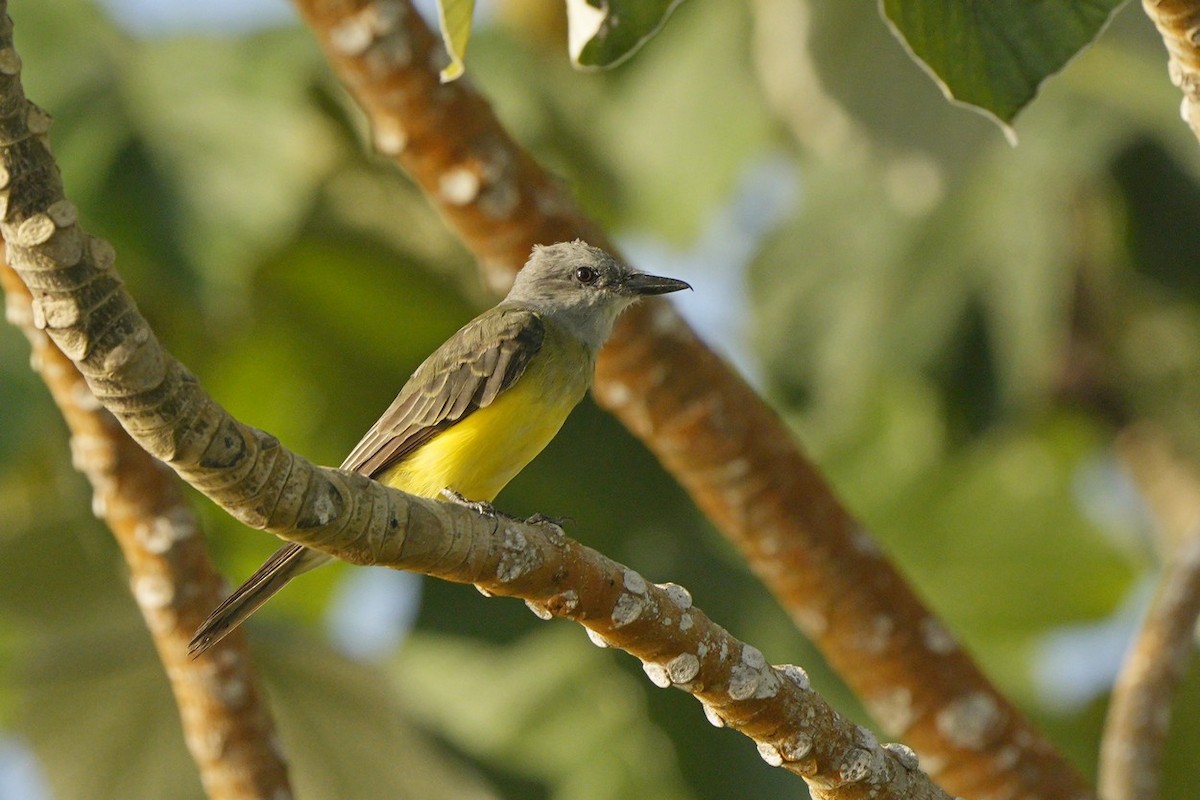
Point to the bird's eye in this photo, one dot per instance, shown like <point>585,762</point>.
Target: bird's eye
<point>586,275</point>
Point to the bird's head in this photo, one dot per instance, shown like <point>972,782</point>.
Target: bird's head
<point>583,288</point>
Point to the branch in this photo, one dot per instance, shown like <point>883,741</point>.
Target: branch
<point>719,440</point>
<point>226,724</point>
<point>1135,732</point>
<point>1178,21</point>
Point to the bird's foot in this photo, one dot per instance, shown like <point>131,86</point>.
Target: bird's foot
<point>478,506</point>
<point>545,519</point>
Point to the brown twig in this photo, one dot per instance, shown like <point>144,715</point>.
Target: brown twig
<point>1179,23</point>
<point>705,424</point>
<point>226,724</point>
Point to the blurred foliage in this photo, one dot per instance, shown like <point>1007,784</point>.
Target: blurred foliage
<point>955,328</point>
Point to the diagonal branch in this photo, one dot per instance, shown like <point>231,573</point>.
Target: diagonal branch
<point>226,725</point>
<point>710,430</point>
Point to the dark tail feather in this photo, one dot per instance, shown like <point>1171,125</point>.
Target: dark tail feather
<point>286,563</point>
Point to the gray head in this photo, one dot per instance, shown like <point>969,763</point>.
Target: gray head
<point>583,288</point>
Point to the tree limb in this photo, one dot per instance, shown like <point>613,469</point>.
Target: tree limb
<point>1135,732</point>
<point>709,429</point>
<point>226,724</point>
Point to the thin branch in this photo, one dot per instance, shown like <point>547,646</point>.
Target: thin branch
<point>226,724</point>
<point>1135,732</point>
<point>1178,21</point>
<point>78,300</point>
<point>1140,712</point>
<point>719,440</point>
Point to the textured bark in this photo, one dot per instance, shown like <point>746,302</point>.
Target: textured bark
<point>1179,23</point>
<point>719,440</point>
<point>226,725</point>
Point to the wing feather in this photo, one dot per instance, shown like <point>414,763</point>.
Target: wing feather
<point>466,373</point>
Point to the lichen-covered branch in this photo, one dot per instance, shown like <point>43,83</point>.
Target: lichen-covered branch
<point>77,299</point>
<point>226,724</point>
<point>1179,23</point>
<point>708,428</point>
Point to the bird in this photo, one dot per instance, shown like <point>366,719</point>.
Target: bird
<point>483,404</point>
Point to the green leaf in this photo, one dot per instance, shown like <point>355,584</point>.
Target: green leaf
<point>603,33</point>
<point>454,18</point>
<point>994,55</point>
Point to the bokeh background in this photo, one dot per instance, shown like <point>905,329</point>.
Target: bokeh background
<point>960,332</point>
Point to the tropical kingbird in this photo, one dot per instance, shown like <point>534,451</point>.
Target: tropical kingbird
<point>484,404</point>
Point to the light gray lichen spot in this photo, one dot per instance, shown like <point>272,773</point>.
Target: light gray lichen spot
<point>743,682</point>
<point>795,747</point>
<point>972,721</point>
<point>541,612</point>
<point>161,533</point>
<point>565,602</point>
<point>685,622</point>
<point>769,754</point>
<point>893,709</point>
<point>35,230</point>
<point>856,766</point>
<point>628,608</point>
<point>678,595</point>
<point>796,675</point>
<point>390,139</point>
<point>153,591</point>
<point>596,638</point>
<point>753,657</point>
<point>352,36</point>
<point>516,557</point>
<point>713,717</point>
<point>683,668</point>
<point>459,186</point>
<point>904,755</point>
<point>657,674</point>
<point>633,582</point>
<point>812,621</point>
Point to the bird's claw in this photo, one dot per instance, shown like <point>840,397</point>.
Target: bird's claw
<point>478,506</point>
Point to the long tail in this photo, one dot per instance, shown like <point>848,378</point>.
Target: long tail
<point>286,563</point>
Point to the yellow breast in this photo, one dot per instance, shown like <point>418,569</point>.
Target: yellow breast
<point>478,456</point>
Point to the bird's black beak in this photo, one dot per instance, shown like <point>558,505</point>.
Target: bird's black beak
<point>639,283</point>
